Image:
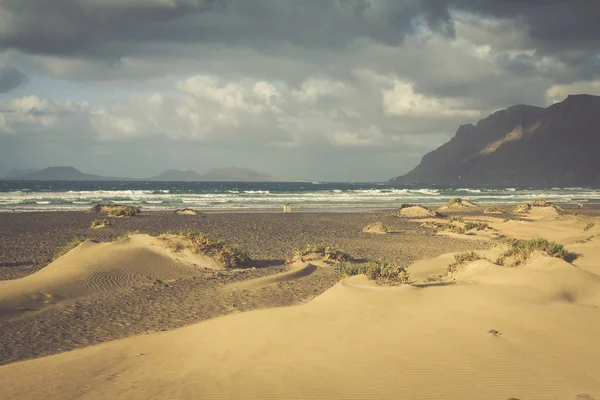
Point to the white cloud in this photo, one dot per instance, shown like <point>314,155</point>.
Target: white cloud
<point>558,93</point>
<point>402,100</point>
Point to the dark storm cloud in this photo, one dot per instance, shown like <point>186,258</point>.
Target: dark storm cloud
<point>10,78</point>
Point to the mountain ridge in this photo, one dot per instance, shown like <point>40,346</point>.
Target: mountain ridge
<point>520,145</point>
<point>226,174</point>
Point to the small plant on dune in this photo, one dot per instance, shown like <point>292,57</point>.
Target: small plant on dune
<point>377,227</point>
<point>228,255</point>
<point>514,219</point>
<point>116,210</point>
<point>456,218</point>
<point>479,226</point>
<point>520,250</point>
<point>126,235</point>
<point>377,270</point>
<point>99,223</point>
<point>451,228</point>
<point>456,200</point>
<point>328,252</point>
<point>587,239</point>
<point>493,210</point>
<point>463,258</point>
<point>588,226</point>
<point>68,247</point>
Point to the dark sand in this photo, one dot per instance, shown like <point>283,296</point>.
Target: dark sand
<point>30,240</point>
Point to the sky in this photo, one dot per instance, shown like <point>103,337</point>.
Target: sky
<point>328,90</point>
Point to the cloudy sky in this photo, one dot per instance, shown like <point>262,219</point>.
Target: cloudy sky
<point>312,89</point>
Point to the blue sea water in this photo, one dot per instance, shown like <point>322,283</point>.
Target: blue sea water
<point>252,196</point>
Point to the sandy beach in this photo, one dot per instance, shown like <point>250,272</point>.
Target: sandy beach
<point>129,313</point>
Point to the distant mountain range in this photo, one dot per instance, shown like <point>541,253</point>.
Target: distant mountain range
<point>521,145</point>
<point>229,174</point>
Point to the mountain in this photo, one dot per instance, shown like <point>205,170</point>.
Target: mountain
<point>230,174</point>
<point>63,174</point>
<point>237,175</point>
<point>520,145</point>
<point>18,173</point>
<point>176,175</point>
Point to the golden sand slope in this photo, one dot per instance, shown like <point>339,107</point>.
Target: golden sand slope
<point>97,267</point>
<point>497,333</point>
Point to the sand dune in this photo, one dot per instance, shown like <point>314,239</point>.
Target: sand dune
<point>96,267</point>
<point>490,332</point>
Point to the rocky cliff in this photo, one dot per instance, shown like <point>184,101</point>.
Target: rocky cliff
<point>521,145</point>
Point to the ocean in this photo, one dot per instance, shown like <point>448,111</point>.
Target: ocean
<point>252,196</point>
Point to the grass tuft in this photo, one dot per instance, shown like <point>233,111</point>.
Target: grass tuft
<point>520,250</point>
<point>493,210</point>
<point>116,210</point>
<point>588,226</point>
<point>377,270</point>
<point>99,223</point>
<point>68,247</point>
<point>376,227</point>
<point>228,255</point>
<point>456,218</point>
<point>461,259</point>
<point>328,252</point>
<point>478,226</point>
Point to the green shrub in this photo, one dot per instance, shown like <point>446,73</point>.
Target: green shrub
<point>376,227</point>
<point>479,226</point>
<point>68,247</point>
<point>377,270</point>
<point>451,228</point>
<point>521,250</point>
<point>463,258</point>
<point>99,223</point>
<point>328,252</point>
<point>228,255</point>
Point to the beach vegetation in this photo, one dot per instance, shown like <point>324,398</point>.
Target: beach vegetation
<point>587,239</point>
<point>229,256</point>
<point>451,228</point>
<point>456,218</point>
<point>463,258</point>
<point>588,226</point>
<point>69,246</point>
<point>478,226</point>
<point>326,251</point>
<point>377,270</point>
<point>520,251</point>
<point>493,210</point>
<point>116,210</point>
<point>378,227</point>
<point>99,223</point>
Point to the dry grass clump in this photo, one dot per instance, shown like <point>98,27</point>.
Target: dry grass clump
<point>377,270</point>
<point>229,256</point>
<point>99,223</point>
<point>458,202</point>
<point>479,226</point>
<point>587,239</point>
<point>521,250</point>
<point>451,228</point>
<point>376,227</point>
<point>415,211</point>
<point>461,259</point>
<point>589,226</point>
<point>68,247</point>
<point>456,218</point>
<point>320,251</point>
<point>526,208</point>
<point>186,211</point>
<point>493,210</point>
<point>116,210</point>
